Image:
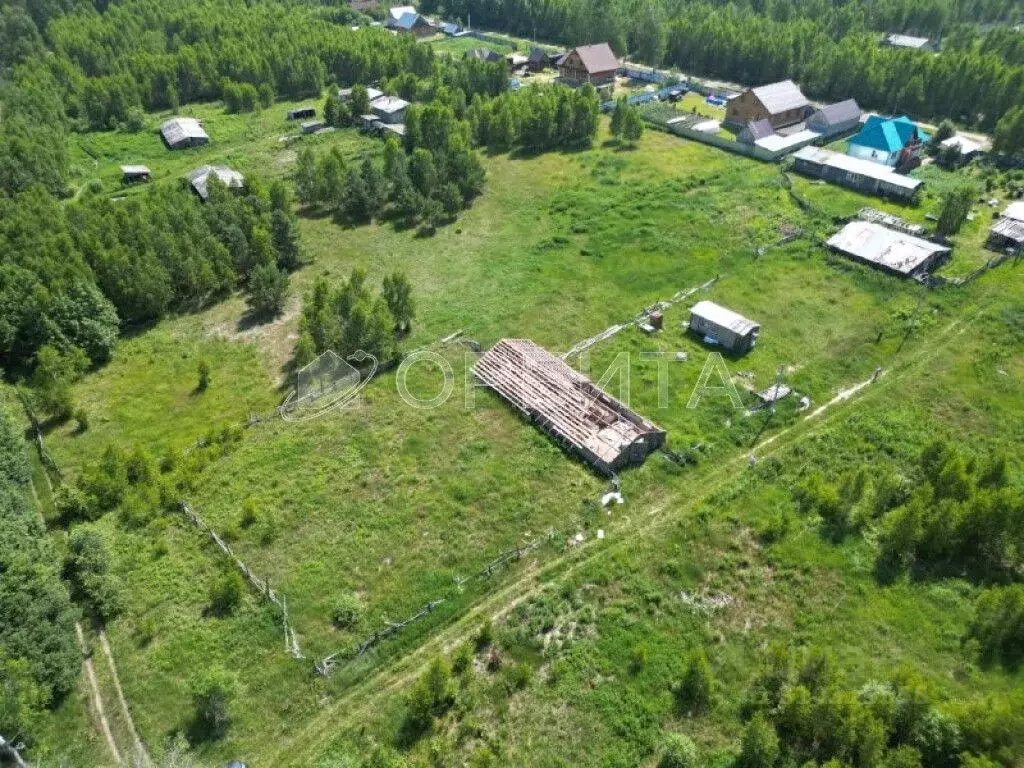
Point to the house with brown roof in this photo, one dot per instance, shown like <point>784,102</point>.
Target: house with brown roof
<point>594,64</point>
<point>782,104</point>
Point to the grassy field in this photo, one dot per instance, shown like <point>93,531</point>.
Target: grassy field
<point>392,504</point>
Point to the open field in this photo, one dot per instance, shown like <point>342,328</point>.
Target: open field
<point>392,503</point>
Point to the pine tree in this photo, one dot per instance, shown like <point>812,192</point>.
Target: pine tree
<point>619,117</point>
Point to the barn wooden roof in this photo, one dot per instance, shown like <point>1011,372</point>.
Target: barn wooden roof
<point>562,401</point>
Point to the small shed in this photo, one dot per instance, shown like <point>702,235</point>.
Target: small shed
<point>312,126</point>
<point>538,60</point>
<point>183,133</point>
<point>909,42</point>
<point>854,173</point>
<point>755,130</point>
<point>389,109</point>
<point>132,174</point>
<point>369,122</point>
<point>199,179</point>
<point>834,119</point>
<point>1006,235</point>
<point>301,113</point>
<point>482,54</point>
<point>731,330</point>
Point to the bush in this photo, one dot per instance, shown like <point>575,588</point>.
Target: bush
<point>485,636</point>
<point>679,752</point>
<point>517,677</point>
<point>693,691</point>
<point>249,513</point>
<point>203,369</point>
<point>226,594</point>
<point>212,694</point>
<point>760,745</point>
<point>347,611</point>
<point>81,420</point>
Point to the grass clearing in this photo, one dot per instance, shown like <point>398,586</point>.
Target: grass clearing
<point>390,503</point>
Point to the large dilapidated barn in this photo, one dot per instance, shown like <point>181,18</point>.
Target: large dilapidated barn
<point>585,420</point>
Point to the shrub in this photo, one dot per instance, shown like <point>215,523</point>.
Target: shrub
<point>249,513</point>
<point>517,676</point>
<point>81,420</point>
<point>693,691</point>
<point>638,659</point>
<point>485,636</point>
<point>679,752</point>
<point>203,370</point>
<point>760,745</point>
<point>347,611</point>
<point>212,694</point>
<point>226,594</point>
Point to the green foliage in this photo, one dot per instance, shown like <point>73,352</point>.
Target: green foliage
<point>516,677</point>
<point>347,320</point>
<point>484,636</point>
<point>679,751</point>
<point>347,611</point>
<point>431,697</point>
<point>267,290</point>
<point>87,568</point>
<point>37,644</point>
<point>53,377</point>
<point>226,594</point>
<point>955,206</point>
<point>998,625</point>
<point>22,701</point>
<point>203,373</point>
<point>760,746</point>
<point>397,292</point>
<point>212,695</point>
<point>693,691</point>
<point>962,517</point>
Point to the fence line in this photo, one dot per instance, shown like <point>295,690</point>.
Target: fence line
<point>607,333</point>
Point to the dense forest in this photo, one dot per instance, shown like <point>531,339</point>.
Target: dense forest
<point>831,49</point>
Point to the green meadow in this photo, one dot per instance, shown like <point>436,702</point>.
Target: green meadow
<point>399,506</point>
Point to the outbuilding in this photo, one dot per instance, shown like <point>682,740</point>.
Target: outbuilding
<point>183,133</point>
<point>345,94</point>
<point>755,130</point>
<point>389,109</point>
<point>538,60</point>
<point>854,173</point>
<point>199,179</point>
<point>1008,232</point>
<point>312,126</point>
<point>482,54</point>
<point>568,406</point>
<point>132,174</point>
<point>595,64</point>
<point>887,249</point>
<point>722,326</point>
<point>835,119</point>
<point>782,104</point>
<point>908,42</point>
<point>302,113</point>
<point>405,19</point>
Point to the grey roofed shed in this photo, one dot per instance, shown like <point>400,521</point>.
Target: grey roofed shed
<point>200,177</point>
<point>135,172</point>
<point>730,329</point>
<point>887,249</point>
<point>781,97</point>
<point>754,130</point>
<point>835,118</point>
<point>390,109</point>
<point>183,132</point>
<point>345,94</point>
<point>907,41</point>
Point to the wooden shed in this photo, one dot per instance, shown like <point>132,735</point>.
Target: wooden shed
<point>729,329</point>
<point>132,174</point>
<point>302,113</point>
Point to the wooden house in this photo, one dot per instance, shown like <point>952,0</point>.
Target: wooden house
<point>594,64</point>
<point>782,104</point>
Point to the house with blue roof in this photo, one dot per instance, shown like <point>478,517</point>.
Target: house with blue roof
<point>894,141</point>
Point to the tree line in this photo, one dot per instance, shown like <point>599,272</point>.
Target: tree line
<point>39,658</point>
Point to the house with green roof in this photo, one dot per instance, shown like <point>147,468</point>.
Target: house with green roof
<point>891,141</point>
